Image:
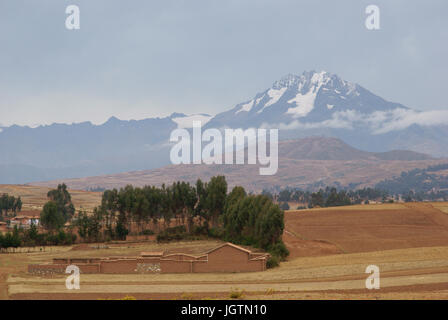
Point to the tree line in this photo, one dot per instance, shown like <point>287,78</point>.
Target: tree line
<point>204,209</point>
<point>254,220</point>
<point>140,206</point>
<point>31,237</point>
<point>56,212</point>
<point>325,197</point>
<point>9,204</point>
<point>419,184</point>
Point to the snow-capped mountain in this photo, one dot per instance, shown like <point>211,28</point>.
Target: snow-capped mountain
<point>309,98</point>
<point>311,104</point>
<point>321,103</point>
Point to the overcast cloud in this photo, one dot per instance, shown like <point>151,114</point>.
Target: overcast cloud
<point>379,122</point>
<point>137,59</point>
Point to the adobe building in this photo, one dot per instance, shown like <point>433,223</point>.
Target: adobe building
<point>24,221</point>
<point>225,258</point>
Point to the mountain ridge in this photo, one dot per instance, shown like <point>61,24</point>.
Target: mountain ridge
<point>310,104</point>
<point>297,168</point>
<point>330,148</point>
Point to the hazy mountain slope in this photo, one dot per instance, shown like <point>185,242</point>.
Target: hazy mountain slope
<point>303,163</point>
<point>84,149</point>
<point>321,103</point>
<point>311,104</point>
<point>310,97</point>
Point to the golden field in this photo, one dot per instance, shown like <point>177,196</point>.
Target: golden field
<point>330,250</point>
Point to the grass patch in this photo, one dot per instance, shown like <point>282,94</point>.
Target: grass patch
<point>236,294</point>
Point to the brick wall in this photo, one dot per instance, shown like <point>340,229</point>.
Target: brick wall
<point>180,257</point>
<point>46,269</point>
<point>140,237</point>
<point>119,266</point>
<point>171,266</point>
<point>61,261</point>
<point>89,268</point>
<point>227,258</point>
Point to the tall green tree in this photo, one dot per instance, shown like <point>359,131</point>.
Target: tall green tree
<point>215,199</point>
<point>63,200</point>
<point>51,218</point>
<point>317,199</point>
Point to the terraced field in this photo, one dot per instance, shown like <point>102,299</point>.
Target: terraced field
<point>330,250</point>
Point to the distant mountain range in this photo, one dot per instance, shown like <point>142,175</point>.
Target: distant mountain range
<point>320,103</point>
<point>311,104</point>
<point>305,100</point>
<point>305,163</point>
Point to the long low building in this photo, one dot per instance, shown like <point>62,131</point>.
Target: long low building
<point>225,258</point>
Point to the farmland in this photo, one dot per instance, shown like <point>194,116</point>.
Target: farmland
<point>330,249</point>
<point>34,197</point>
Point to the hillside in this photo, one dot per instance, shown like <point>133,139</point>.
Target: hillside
<point>365,228</point>
<point>327,148</point>
<point>428,180</point>
<point>310,104</point>
<point>34,197</point>
<point>330,249</point>
<point>302,163</point>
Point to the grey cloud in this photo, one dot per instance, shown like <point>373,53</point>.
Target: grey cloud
<point>150,58</point>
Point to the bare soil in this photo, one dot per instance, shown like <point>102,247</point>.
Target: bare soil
<point>330,250</point>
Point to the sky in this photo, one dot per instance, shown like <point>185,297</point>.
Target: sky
<point>139,59</point>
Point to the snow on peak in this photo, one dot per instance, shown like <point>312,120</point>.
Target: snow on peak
<point>286,81</point>
<point>308,87</point>
<point>304,84</point>
<point>301,91</point>
<point>304,103</point>
<point>310,77</point>
<point>246,106</point>
<point>274,96</point>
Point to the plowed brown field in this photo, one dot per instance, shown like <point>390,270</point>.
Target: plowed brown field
<point>330,250</point>
<point>365,228</point>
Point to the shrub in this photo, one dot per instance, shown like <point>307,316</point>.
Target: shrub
<point>279,250</point>
<point>200,231</point>
<point>176,230</point>
<point>284,206</point>
<point>172,234</point>
<point>272,262</point>
<point>216,233</point>
<point>147,232</point>
<point>236,294</point>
